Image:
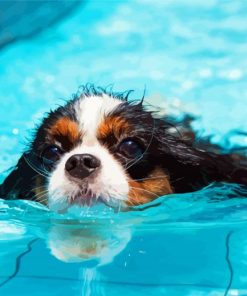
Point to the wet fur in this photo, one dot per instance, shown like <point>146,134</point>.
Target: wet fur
<point>189,163</point>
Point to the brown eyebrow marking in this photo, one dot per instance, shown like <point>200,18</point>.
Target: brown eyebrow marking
<point>66,132</point>
<point>145,191</point>
<point>113,126</point>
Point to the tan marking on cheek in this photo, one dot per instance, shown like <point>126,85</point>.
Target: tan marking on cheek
<point>154,186</point>
<point>113,125</point>
<point>66,132</point>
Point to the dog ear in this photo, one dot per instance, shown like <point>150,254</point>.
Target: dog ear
<point>191,168</point>
<point>19,182</point>
<point>239,175</point>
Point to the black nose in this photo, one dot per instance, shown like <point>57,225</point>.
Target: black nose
<point>82,165</point>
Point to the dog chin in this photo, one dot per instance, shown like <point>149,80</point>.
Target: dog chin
<point>84,200</point>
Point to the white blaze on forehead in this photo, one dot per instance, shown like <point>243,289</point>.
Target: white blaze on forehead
<point>91,112</point>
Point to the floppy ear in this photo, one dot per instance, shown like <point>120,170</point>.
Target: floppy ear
<point>191,168</point>
<point>239,174</point>
<point>19,182</point>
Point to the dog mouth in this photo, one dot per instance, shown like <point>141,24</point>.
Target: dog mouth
<point>85,197</point>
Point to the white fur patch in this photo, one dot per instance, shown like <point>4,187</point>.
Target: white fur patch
<point>91,112</point>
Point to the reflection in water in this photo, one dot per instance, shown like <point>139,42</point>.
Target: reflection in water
<point>78,244</point>
<point>87,243</point>
<point>94,245</point>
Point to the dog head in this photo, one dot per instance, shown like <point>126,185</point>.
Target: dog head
<point>99,147</point>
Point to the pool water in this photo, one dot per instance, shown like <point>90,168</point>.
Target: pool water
<point>191,57</point>
<point>192,244</point>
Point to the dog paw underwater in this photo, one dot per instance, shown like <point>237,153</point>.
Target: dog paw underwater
<point>102,148</point>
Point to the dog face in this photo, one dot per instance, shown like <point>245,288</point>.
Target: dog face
<point>99,148</point>
<point>102,148</point>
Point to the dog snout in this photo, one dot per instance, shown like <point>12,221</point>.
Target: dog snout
<point>80,166</point>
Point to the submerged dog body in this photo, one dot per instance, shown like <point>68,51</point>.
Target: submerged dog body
<point>100,147</point>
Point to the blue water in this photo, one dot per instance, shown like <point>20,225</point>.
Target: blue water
<point>191,57</point>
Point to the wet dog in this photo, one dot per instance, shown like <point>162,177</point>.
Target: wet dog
<point>100,147</point>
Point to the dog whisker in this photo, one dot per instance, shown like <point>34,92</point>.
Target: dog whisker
<point>157,196</point>
<point>137,188</point>
<point>151,178</point>
<point>38,187</point>
<point>35,168</point>
<point>39,196</point>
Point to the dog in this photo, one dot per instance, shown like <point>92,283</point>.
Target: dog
<point>101,147</point>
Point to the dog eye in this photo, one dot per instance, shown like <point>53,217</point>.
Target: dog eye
<point>51,154</point>
<point>130,148</point>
